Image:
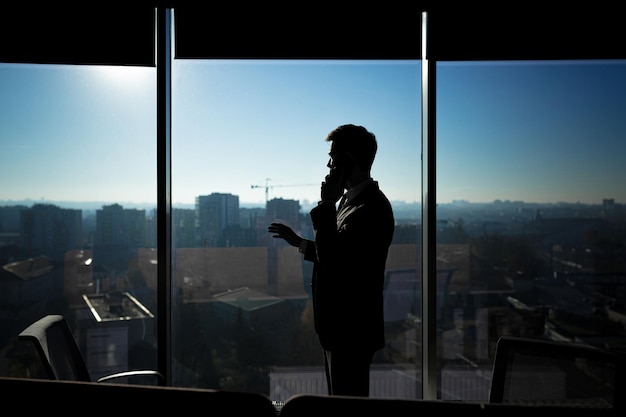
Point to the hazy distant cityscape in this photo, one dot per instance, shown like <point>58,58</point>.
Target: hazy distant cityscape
<point>402,209</point>
<point>217,213</point>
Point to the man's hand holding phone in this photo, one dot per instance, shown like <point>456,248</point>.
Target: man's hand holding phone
<point>333,186</point>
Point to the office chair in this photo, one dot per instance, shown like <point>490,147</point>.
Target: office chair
<point>72,398</point>
<point>310,405</point>
<point>61,356</point>
<point>547,372</point>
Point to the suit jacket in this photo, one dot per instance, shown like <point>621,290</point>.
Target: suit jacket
<point>349,256</point>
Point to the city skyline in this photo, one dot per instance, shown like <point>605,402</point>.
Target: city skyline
<point>539,132</point>
<point>397,205</point>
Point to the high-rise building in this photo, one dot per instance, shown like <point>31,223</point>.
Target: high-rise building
<point>184,233</point>
<point>213,213</point>
<point>46,229</point>
<point>286,211</point>
<point>116,225</point>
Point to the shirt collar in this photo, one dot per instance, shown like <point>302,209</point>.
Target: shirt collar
<point>354,191</point>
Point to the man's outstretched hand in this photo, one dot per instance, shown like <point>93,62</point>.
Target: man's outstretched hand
<point>285,232</point>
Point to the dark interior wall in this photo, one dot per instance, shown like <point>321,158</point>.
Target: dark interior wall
<point>313,30</point>
<point>118,32</point>
<point>62,32</point>
<point>528,31</point>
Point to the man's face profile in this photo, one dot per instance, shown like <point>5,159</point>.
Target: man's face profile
<point>335,160</point>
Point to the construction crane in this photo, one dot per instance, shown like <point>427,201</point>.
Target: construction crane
<point>267,187</point>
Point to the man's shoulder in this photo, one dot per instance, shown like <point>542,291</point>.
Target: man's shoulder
<point>377,202</point>
<point>376,193</point>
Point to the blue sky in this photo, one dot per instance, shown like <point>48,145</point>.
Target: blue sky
<point>538,132</point>
<point>269,120</point>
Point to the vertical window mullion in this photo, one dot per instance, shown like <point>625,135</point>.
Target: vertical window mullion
<point>164,241</point>
<point>429,253</point>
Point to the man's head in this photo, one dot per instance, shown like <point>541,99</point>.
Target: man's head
<point>351,145</point>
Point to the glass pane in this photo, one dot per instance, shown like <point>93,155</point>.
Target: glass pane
<point>530,196</point>
<point>77,210</point>
<point>248,148</point>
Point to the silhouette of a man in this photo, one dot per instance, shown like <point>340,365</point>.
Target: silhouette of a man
<point>349,255</point>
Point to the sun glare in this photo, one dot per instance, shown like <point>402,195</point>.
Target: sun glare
<point>126,77</point>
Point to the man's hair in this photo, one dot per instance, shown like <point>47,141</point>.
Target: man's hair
<point>357,141</point>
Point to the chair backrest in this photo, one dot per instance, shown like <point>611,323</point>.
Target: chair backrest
<point>72,398</point>
<point>310,405</point>
<point>539,371</point>
<point>57,348</point>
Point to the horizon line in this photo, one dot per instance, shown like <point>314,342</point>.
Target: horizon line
<point>261,204</point>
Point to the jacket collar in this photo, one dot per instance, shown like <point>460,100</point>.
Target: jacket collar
<point>357,189</point>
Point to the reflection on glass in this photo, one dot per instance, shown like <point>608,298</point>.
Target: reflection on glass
<point>247,149</point>
<point>77,229</point>
<point>530,210</point>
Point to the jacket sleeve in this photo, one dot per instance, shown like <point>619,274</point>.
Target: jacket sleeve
<point>324,218</point>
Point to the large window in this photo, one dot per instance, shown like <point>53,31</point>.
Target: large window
<point>77,209</point>
<point>530,210</point>
<point>248,148</point>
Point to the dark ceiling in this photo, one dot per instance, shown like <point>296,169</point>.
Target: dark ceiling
<point>115,33</point>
